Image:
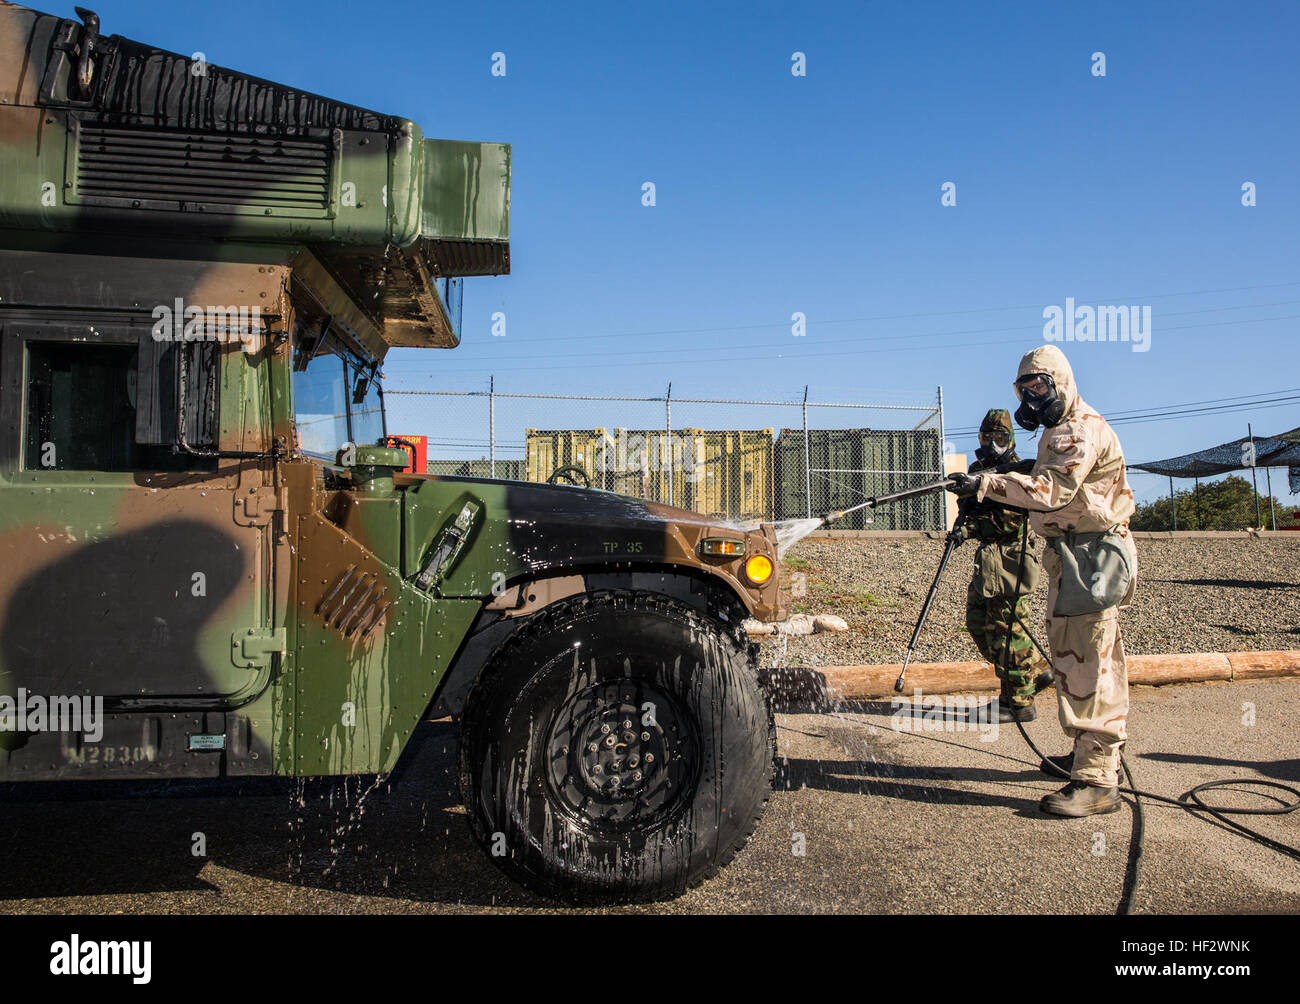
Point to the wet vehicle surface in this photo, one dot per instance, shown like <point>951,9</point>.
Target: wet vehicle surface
<point>214,564</point>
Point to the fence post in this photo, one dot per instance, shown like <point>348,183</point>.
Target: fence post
<point>1272,513</point>
<point>943,467</point>
<point>492,426</point>
<point>1173,501</point>
<point>807,463</point>
<point>1259,520</point>
<point>668,434</point>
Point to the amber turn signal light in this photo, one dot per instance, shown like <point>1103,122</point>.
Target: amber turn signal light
<point>721,547</point>
<point>758,569</point>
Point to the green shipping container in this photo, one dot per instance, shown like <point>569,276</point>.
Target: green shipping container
<point>852,465</point>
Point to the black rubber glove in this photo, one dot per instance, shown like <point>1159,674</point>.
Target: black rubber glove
<point>964,485</point>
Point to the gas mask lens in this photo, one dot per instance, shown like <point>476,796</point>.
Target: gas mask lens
<point>1035,385</point>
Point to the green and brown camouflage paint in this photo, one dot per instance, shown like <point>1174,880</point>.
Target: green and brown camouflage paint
<point>311,647</point>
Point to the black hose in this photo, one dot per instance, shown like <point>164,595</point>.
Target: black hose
<point>1136,846</point>
<point>1190,800</point>
<point>1133,869</point>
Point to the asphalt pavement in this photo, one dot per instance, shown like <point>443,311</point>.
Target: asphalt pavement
<point>866,818</point>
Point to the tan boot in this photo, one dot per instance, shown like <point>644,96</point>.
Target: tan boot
<point>1078,798</point>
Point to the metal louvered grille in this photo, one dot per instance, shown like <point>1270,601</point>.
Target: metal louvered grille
<point>187,170</point>
<point>355,601</point>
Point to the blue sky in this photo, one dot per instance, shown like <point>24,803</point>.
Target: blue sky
<point>821,194</point>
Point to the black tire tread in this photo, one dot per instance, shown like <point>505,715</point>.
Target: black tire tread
<point>559,613</point>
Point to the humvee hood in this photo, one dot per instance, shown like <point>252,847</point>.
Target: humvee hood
<point>552,503</point>
<point>554,527</point>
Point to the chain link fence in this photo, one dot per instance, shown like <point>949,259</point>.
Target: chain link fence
<point>727,459</point>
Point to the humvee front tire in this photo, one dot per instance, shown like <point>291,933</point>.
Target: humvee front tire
<point>618,748</point>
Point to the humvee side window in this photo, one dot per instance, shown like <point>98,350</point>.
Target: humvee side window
<point>320,401</point>
<point>81,411</point>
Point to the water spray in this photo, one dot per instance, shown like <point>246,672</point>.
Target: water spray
<point>790,531</point>
<point>871,503</point>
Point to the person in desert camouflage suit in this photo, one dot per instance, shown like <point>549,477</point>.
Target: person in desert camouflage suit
<point>1078,485</point>
<point>997,599</point>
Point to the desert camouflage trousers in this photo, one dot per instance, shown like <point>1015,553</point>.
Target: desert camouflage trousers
<point>1091,683</point>
<point>1003,642</point>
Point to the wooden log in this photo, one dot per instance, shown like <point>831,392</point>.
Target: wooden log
<point>866,683</point>
<point>1259,665</point>
<point>861,683</point>
<point>1187,667</point>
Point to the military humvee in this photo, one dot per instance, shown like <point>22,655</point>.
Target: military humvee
<point>211,561</point>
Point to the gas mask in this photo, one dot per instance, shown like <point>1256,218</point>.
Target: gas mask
<point>1040,409</point>
<point>990,453</point>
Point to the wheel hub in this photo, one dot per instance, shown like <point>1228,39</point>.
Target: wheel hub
<point>621,754</point>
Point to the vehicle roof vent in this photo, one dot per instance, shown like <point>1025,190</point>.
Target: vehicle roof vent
<point>190,171</point>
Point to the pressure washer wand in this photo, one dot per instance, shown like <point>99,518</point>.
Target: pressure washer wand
<point>871,503</point>
<point>954,538</point>
<point>1019,467</point>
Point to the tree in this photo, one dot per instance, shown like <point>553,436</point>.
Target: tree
<point>1215,505</point>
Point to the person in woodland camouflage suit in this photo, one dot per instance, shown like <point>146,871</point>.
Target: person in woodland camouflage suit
<point>997,599</point>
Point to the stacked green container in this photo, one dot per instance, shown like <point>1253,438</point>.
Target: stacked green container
<point>859,451</point>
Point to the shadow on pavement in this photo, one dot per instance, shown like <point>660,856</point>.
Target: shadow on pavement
<point>404,836</point>
<point>1277,770</point>
<point>856,777</point>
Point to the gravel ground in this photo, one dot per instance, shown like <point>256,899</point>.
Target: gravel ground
<point>1196,595</point>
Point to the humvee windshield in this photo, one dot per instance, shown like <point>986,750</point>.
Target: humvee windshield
<point>337,399</point>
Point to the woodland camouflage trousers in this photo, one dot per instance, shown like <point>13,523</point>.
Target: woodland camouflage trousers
<point>1017,663</point>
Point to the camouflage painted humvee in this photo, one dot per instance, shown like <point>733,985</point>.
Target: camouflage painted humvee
<point>211,563</point>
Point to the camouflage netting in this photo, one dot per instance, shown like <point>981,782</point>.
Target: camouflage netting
<point>1282,450</point>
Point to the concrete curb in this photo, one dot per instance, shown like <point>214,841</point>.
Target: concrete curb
<point>828,685</point>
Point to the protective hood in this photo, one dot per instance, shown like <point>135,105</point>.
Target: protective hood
<point>1051,360</point>
<point>999,420</point>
